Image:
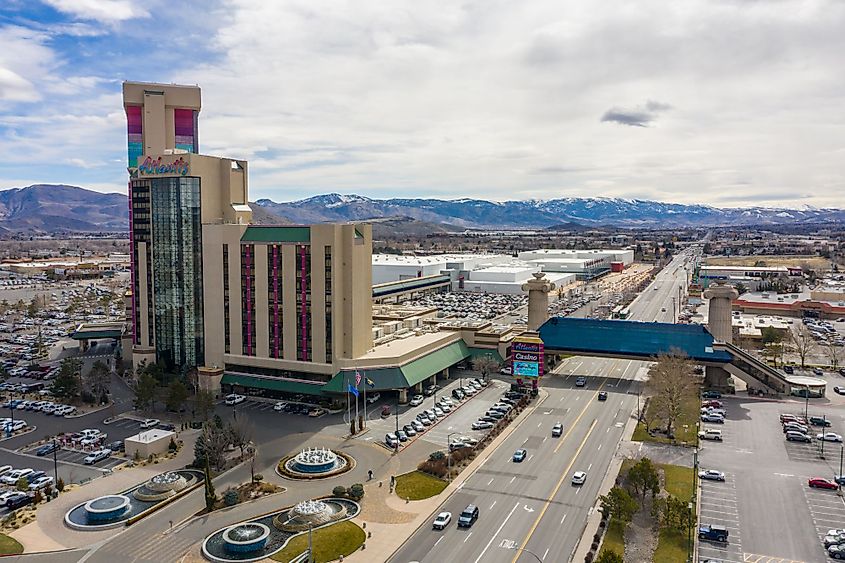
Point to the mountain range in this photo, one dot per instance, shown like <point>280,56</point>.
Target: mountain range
<point>46,208</point>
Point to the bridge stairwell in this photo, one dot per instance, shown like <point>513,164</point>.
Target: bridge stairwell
<point>755,373</point>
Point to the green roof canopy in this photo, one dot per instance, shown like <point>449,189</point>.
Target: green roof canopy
<point>476,353</point>
<point>404,376</point>
<point>276,234</point>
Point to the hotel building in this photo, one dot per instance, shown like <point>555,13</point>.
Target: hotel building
<point>263,309</point>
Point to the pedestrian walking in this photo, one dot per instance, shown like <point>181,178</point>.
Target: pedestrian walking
<point>370,475</point>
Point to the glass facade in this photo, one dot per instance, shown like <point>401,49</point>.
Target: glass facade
<point>274,300</point>
<point>327,257</point>
<point>226,328</point>
<point>176,272</point>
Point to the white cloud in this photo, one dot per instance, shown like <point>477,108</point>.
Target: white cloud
<point>426,99</point>
<point>105,11</point>
<point>24,61</point>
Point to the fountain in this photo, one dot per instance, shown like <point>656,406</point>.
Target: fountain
<point>109,511</point>
<point>261,537</point>
<point>106,509</point>
<point>310,514</point>
<point>163,486</point>
<point>315,463</point>
<point>246,538</point>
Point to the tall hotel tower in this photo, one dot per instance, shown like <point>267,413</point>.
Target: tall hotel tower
<point>270,306</point>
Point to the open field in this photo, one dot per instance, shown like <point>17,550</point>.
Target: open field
<point>417,485</point>
<point>329,543</point>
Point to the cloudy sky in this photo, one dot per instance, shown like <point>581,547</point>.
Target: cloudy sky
<point>725,102</point>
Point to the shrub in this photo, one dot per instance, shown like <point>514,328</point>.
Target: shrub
<point>87,397</point>
<point>37,497</point>
<point>172,445</point>
<point>339,491</point>
<point>48,490</point>
<point>230,497</point>
<point>356,491</point>
<point>22,484</point>
<point>589,557</point>
<point>437,456</point>
<point>60,484</point>
<point>258,477</point>
<point>137,456</point>
<point>596,538</point>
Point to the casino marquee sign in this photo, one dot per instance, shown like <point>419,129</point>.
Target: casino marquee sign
<point>527,357</point>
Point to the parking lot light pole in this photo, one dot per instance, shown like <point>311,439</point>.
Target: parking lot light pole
<point>689,531</point>
<point>806,403</point>
<point>55,462</point>
<point>449,456</point>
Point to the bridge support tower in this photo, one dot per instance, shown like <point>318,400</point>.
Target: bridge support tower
<point>538,300</point>
<point>719,323</point>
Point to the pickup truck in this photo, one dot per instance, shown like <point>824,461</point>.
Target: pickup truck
<point>713,533</point>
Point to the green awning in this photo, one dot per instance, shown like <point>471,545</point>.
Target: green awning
<point>92,334</point>
<point>475,353</point>
<point>272,383</point>
<point>276,234</point>
<point>404,376</point>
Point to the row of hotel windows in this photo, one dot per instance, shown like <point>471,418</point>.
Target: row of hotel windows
<point>302,257</point>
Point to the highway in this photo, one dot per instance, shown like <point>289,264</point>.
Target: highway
<point>532,505</point>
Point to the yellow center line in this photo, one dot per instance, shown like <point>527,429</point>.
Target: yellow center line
<point>554,493</point>
<point>572,426</point>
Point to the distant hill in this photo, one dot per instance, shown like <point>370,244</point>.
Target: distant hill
<point>46,208</point>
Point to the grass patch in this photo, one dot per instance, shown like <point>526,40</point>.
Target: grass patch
<point>672,547</point>
<point>678,480</point>
<point>9,546</point>
<point>614,538</point>
<point>329,543</point>
<point>417,485</point>
<point>690,415</point>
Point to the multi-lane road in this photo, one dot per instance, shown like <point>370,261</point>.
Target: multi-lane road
<point>532,506</point>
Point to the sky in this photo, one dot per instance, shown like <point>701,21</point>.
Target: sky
<point>724,102</point>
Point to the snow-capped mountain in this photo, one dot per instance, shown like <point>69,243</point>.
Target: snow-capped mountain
<point>534,214</point>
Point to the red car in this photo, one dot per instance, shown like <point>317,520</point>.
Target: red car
<point>714,404</point>
<point>819,483</point>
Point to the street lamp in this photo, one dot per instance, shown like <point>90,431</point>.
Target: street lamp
<point>55,463</point>
<point>689,531</point>
<point>522,549</point>
<point>449,456</point>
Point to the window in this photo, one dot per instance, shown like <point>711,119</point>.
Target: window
<point>303,303</point>
<point>274,299</point>
<point>226,328</point>
<point>327,258</point>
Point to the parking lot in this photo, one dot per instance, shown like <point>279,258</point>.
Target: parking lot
<point>765,502</point>
<point>458,421</point>
<point>74,456</point>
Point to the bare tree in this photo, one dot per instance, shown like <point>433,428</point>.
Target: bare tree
<point>485,365</point>
<point>98,379</point>
<point>802,341</point>
<point>834,351</point>
<point>671,382</point>
<point>241,432</point>
<point>204,401</point>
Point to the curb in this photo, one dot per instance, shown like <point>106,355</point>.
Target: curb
<point>457,483</point>
<point>26,431</point>
<point>80,415</point>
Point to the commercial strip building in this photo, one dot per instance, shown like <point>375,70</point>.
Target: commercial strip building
<point>749,276</point>
<point>268,309</point>
<point>821,303</point>
<point>585,264</point>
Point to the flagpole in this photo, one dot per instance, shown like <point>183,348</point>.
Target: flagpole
<point>356,405</point>
<point>365,402</point>
<point>348,405</point>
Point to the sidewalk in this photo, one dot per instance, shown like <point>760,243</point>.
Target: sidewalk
<point>391,521</point>
<point>49,533</point>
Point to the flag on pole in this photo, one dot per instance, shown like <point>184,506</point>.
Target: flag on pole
<point>370,382</point>
<point>353,391</point>
<point>357,378</point>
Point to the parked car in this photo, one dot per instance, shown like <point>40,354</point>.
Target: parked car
<point>417,425</point>
<point>713,532</point>
<point>456,393</point>
<point>149,423</point>
<point>481,425</point>
<point>17,501</point>
<point>820,483</point>
<point>417,400</point>
<point>788,369</point>
<point>47,448</point>
<point>443,519</point>
<point>116,446</point>
<point>280,406</point>
<point>796,436</point>
<point>13,476</point>
<point>40,483</point>
<point>579,477</point>
<point>829,437</point>
<point>374,397</point>
<point>402,435</point>
<point>712,394</point>
<point>438,412</point>
<point>819,421</point>
<point>519,455</point>
<point>710,434</point>
<point>839,390</point>
<point>234,399</point>
<point>837,551</point>
<point>715,418</point>
<point>711,475</point>
<point>391,440</point>
<point>818,371</point>
<point>832,540</point>
<point>96,456</point>
<point>385,411</point>
<point>795,427</point>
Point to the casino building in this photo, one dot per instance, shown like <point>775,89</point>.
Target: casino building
<point>267,310</point>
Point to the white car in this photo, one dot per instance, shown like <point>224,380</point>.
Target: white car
<point>579,477</point>
<point>416,400</point>
<point>712,475</point>
<point>40,483</point>
<point>443,519</point>
<point>444,407</point>
<point>12,477</point>
<point>5,469</point>
<point>88,432</point>
<point>829,437</point>
<point>418,426</point>
<point>438,412</point>
<point>96,456</point>
<point>280,406</point>
<point>89,441</point>
<point>234,399</point>
<point>448,401</point>
<point>373,398</point>
<point>150,423</point>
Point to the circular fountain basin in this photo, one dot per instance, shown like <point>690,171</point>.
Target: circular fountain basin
<point>107,508</point>
<point>315,463</point>
<point>245,538</point>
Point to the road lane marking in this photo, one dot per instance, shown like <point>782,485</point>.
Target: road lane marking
<point>539,424</point>
<point>438,541</point>
<point>490,481</point>
<point>466,538</point>
<point>556,489</point>
<point>512,478</point>
<point>545,554</point>
<point>492,505</point>
<point>589,467</point>
<point>608,430</point>
<point>575,423</point>
<point>597,449</point>
<point>486,547</point>
<point>577,397</point>
<point>564,518</point>
<point>529,457</point>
